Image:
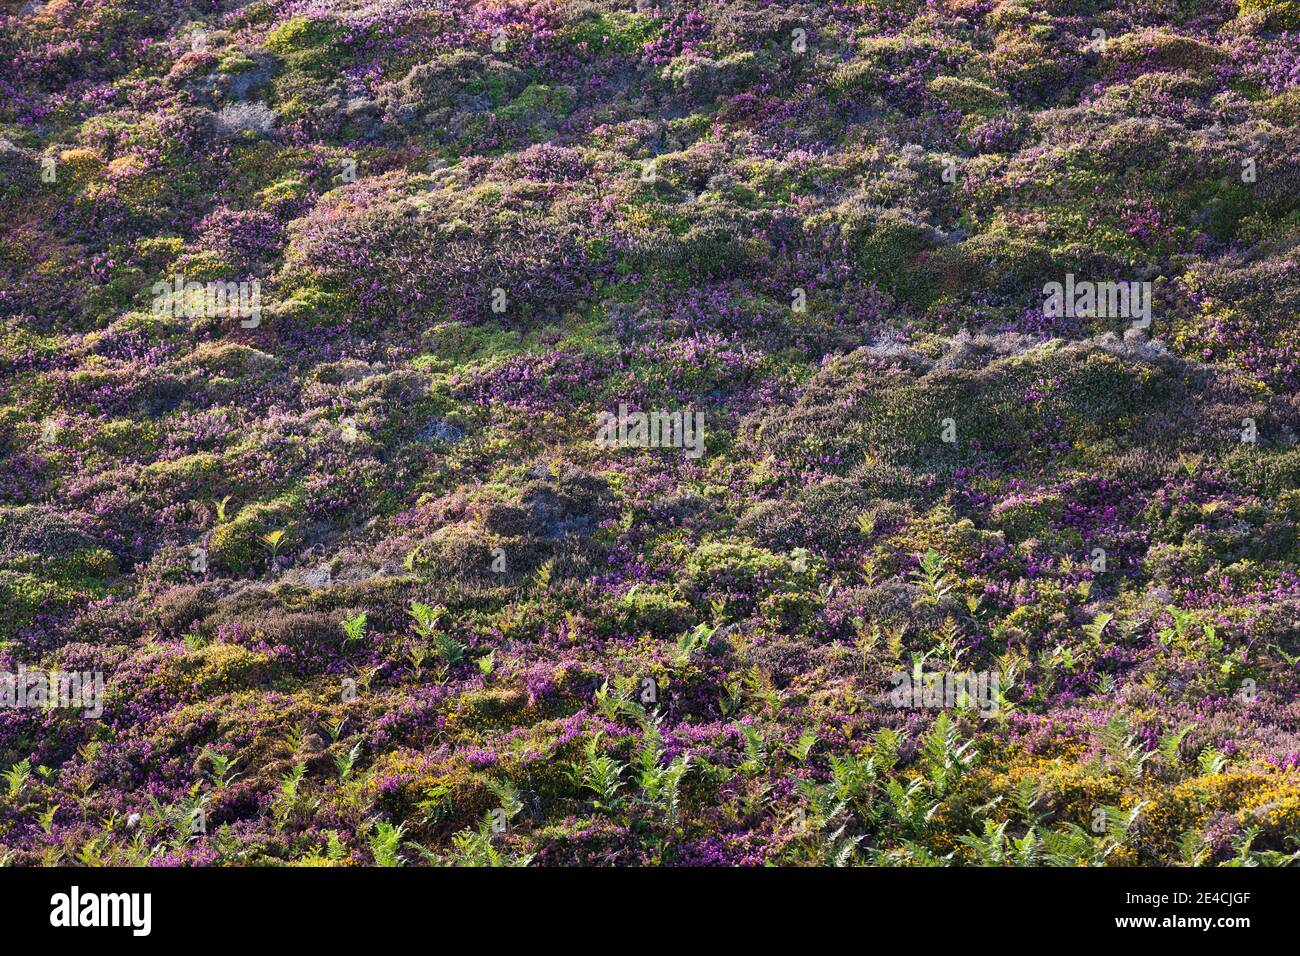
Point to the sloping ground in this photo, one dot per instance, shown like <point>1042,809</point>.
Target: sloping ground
<point>365,587</point>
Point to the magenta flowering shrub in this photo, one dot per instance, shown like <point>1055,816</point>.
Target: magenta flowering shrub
<point>500,433</point>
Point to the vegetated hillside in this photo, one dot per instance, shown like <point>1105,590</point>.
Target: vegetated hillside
<point>365,587</point>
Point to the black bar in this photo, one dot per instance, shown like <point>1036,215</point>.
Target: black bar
<point>331,904</point>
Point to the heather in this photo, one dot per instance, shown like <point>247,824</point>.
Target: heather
<point>310,315</point>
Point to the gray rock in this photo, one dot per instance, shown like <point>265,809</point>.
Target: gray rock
<point>441,431</point>
<point>240,118</point>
